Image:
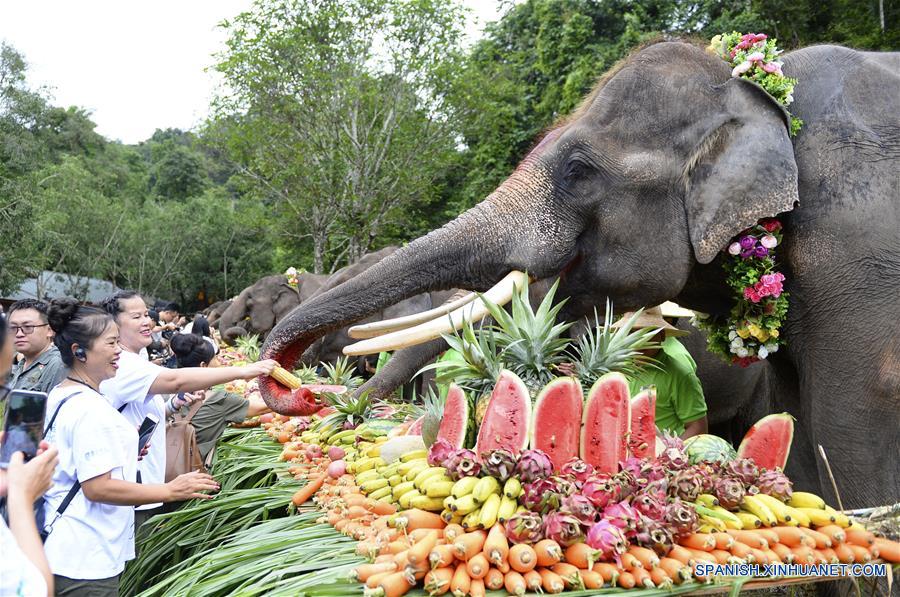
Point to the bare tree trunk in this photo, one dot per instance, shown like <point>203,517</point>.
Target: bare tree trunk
<point>881,14</point>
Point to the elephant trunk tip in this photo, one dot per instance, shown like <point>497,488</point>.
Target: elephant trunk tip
<point>279,397</point>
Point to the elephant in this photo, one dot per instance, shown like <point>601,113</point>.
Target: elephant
<point>635,195</point>
<point>215,310</point>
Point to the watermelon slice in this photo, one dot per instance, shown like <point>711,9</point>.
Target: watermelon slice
<point>604,431</point>
<point>416,427</point>
<point>507,419</point>
<point>768,442</point>
<point>455,422</point>
<point>321,388</point>
<point>557,420</point>
<point>642,439</point>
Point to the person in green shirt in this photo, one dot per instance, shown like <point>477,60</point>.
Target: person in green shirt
<point>680,405</point>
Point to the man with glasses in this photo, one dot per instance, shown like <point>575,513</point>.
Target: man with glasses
<point>41,367</point>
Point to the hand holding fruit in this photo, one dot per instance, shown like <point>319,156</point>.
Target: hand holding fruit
<point>259,368</point>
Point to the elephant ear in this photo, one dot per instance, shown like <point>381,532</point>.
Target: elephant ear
<point>742,169</point>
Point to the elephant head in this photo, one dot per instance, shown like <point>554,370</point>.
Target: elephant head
<point>629,197</point>
<point>259,307</point>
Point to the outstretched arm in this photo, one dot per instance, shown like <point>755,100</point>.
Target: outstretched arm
<point>190,379</point>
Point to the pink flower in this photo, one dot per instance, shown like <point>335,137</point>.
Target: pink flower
<point>756,57</point>
<point>734,248</point>
<point>772,68</point>
<point>741,68</point>
<point>769,241</point>
<point>751,295</point>
<point>770,224</point>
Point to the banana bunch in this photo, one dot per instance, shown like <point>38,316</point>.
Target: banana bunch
<point>713,517</point>
<point>802,510</point>
<point>480,502</point>
<point>379,480</point>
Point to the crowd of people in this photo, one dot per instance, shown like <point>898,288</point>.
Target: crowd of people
<point>73,508</point>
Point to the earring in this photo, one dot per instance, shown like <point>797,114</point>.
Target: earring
<point>80,354</point>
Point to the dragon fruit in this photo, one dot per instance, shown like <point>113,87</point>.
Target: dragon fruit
<point>542,496</point>
<point>681,517</point>
<point>622,515</point>
<point>534,465</point>
<point>652,471</point>
<point>742,469</point>
<point>580,507</point>
<point>525,527</point>
<point>628,483</point>
<point>577,469</point>
<point>632,465</point>
<point>686,485</point>
<point>729,491</point>
<point>564,485</point>
<point>650,505</point>
<point>608,540</point>
<point>707,473</point>
<point>439,452</point>
<point>655,535</point>
<point>462,463</point>
<point>563,528</point>
<point>601,490</point>
<point>500,464</point>
<point>776,484</point>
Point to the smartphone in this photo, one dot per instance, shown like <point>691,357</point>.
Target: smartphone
<point>146,430</point>
<point>23,427</point>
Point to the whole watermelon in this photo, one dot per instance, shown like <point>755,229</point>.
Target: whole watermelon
<point>708,448</point>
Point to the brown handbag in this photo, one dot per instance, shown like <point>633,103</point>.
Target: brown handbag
<point>182,453</point>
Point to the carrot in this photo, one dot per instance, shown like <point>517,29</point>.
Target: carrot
<point>514,583</point>
<point>888,550</point>
<point>394,585</point>
<point>374,579</point>
<point>307,491</point>
<point>701,556</point>
<point>568,573</point>
<point>792,536</point>
<point>629,561</point>
<point>418,519</point>
<point>740,550</point>
<point>844,553</point>
<point>835,532</point>
<point>503,566</point>
<point>701,541</point>
<point>362,572</point>
<point>395,547</point>
<point>591,579</point>
<point>551,581</point>
<point>723,540</point>
<point>647,557</point>
<point>548,552</point>
<point>459,583</point>
<point>784,553</point>
<point>522,558</point>
<point>759,556</point>
<point>861,554</point>
<point>580,555</point>
<point>532,580</point>
<point>452,531</point>
<point>660,579</point>
<point>469,544</point>
<point>340,525</point>
<point>356,512</point>
<point>419,534</point>
<point>819,557</point>
<point>420,551</point>
<point>385,558</point>
<point>386,535</point>
<point>681,554</point>
<point>381,508</point>
<point>751,538</point>
<point>861,538</point>
<point>608,571</point>
<point>626,580</point>
<point>496,546</point>
<point>771,556</point>
<point>441,555</point>
<point>721,555</point>
<point>676,570</point>
<point>768,534</point>
<point>803,554</point>
<point>494,579</point>
<point>478,566</point>
<point>437,581</point>
<point>366,548</point>
<point>332,517</point>
<point>822,540</point>
<point>476,588</point>
<point>830,556</point>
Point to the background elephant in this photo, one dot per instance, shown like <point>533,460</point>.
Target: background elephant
<point>215,310</point>
<point>635,195</point>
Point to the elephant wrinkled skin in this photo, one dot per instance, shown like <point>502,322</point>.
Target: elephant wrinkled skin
<point>634,196</point>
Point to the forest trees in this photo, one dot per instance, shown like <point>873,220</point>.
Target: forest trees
<point>335,115</point>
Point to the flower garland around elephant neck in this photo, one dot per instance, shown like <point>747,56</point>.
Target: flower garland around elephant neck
<point>754,56</point>
<point>752,331</point>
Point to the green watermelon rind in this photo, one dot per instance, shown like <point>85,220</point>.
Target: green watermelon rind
<point>624,426</point>
<point>575,386</point>
<point>747,444</point>
<point>708,448</point>
<point>651,431</point>
<point>455,396</point>
<point>483,443</point>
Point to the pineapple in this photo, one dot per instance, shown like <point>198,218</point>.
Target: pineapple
<point>306,374</point>
<point>480,366</point>
<point>604,349</point>
<point>249,347</point>
<point>341,374</point>
<point>350,410</point>
<point>434,412</point>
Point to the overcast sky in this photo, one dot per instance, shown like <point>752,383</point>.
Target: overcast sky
<point>136,66</point>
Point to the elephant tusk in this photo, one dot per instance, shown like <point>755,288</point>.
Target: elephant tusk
<point>370,330</point>
<point>500,294</point>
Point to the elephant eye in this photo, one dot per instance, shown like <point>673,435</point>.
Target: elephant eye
<point>575,169</point>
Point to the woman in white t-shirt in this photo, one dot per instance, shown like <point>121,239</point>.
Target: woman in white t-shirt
<point>92,539</point>
<point>139,383</point>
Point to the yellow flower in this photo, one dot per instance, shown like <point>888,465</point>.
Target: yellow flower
<point>754,329</point>
<point>743,333</point>
<point>763,335</point>
<point>773,332</point>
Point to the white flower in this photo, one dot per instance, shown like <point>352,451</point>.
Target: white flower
<point>741,68</point>
<point>742,352</point>
<point>772,347</point>
<point>734,248</point>
<point>762,353</point>
<point>789,99</point>
<point>756,57</point>
<point>737,343</point>
<point>769,241</point>
<point>291,271</point>
<point>732,335</point>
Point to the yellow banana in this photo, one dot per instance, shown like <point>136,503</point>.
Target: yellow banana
<point>402,488</point>
<point>395,480</point>
<point>367,476</point>
<point>472,520</point>
<point>464,486</point>
<point>800,516</point>
<point>779,509</point>
<point>406,467</point>
<point>715,523</point>
<point>856,526</point>
<point>388,499</point>
<point>817,517</point>
<point>414,455</point>
<point>380,493</point>
<point>729,518</point>
<point>485,487</point>
<point>366,464</point>
<point>507,509</point>
<point>439,490</point>
<point>447,516</point>
<point>840,519</point>
<point>418,467</point>
<point>465,505</point>
<point>373,485</point>
<point>374,451</point>
<point>707,528</point>
<point>423,502</point>
<point>804,499</point>
<point>750,521</point>
<point>428,473</point>
<point>448,502</point>
<point>521,509</point>
<point>405,500</point>
<point>708,500</point>
<point>512,488</point>
<point>759,509</point>
<point>489,511</point>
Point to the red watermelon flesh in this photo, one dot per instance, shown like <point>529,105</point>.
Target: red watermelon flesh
<point>455,421</point>
<point>320,388</point>
<point>768,442</point>
<point>605,423</point>
<point>416,427</point>
<point>642,439</point>
<point>507,418</point>
<point>557,420</point>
